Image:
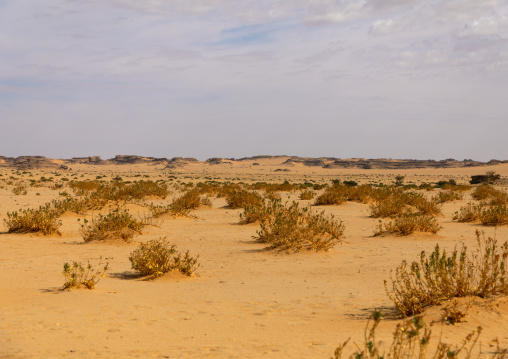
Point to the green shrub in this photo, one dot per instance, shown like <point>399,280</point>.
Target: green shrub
<point>157,257</point>
<point>293,228</point>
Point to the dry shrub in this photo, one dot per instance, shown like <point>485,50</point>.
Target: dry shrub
<point>243,198</point>
<point>158,256</point>
<point>387,208</point>
<point>182,205</point>
<point>484,192</point>
<point>395,202</point>
<point>292,228</point>
<point>116,224</point>
<point>80,187</point>
<point>19,189</point>
<point>253,213</point>
<point>307,195</point>
<point>77,276</point>
<point>470,213</point>
<point>44,220</point>
<point>494,216</point>
<point>410,341</point>
<point>440,277</point>
<point>408,223</point>
<point>448,196</point>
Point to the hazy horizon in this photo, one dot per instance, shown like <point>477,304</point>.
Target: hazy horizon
<point>222,78</point>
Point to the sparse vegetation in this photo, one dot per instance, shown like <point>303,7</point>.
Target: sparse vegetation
<point>441,276</point>
<point>158,256</point>
<point>79,276</point>
<point>291,228</point>
<point>115,224</point>
<point>408,223</point>
<point>43,220</point>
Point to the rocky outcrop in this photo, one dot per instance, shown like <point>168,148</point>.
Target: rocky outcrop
<point>28,162</point>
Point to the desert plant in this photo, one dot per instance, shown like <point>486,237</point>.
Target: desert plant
<point>77,276</point>
<point>242,198</point>
<point>469,213</point>
<point>307,195</point>
<point>115,224</point>
<point>411,339</point>
<point>44,220</point>
<point>182,205</point>
<point>494,216</point>
<point>408,223</point>
<point>158,256</point>
<point>441,277</point>
<point>447,196</point>
<point>292,228</point>
<point>19,189</point>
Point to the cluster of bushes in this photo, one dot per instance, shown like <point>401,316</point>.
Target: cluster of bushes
<point>491,209</point>
<point>291,228</point>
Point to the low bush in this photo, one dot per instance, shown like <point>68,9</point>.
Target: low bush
<point>77,276</point>
<point>182,205</point>
<point>292,228</point>
<point>158,256</point>
<point>408,223</point>
<point>448,196</point>
<point>410,340</point>
<point>115,224</point>
<point>44,220</point>
<point>494,216</point>
<point>243,198</point>
<point>442,276</point>
<point>307,195</point>
<point>469,213</point>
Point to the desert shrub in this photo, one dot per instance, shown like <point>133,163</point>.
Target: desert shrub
<point>389,207</point>
<point>408,223</point>
<point>410,340</point>
<point>182,205</point>
<point>469,213</point>
<point>440,276</point>
<point>275,187</point>
<point>254,212</point>
<point>494,216</point>
<point>44,220</point>
<point>307,195</point>
<point>292,228</point>
<point>332,196</point>
<point>115,224</point>
<point>447,196</point>
<point>83,186</point>
<point>484,192</point>
<point>426,186</point>
<point>243,198</point>
<point>157,257</point>
<point>77,276</point>
<point>427,206</point>
<point>19,189</point>
<point>142,189</point>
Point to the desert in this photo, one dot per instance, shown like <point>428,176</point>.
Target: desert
<point>241,299</point>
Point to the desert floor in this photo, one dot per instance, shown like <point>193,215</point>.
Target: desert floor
<point>243,301</point>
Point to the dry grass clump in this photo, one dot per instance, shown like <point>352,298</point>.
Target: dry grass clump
<point>469,213</point>
<point>307,195</point>
<point>182,205</point>
<point>442,276</point>
<point>485,192</point>
<point>243,198</point>
<point>410,341</point>
<point>44,220</point>
<point>158,256</point>
<point>77,276</point>
<point>448,196</point>
<point>115,224</point>
<point>408,223</point>
<point>494,216</point>
<point>19,189</point>
<point>292,228</point>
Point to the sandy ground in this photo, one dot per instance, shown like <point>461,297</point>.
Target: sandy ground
<point>243,301</point>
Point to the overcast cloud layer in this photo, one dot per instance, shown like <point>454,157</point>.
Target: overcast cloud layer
<point>234,78</point>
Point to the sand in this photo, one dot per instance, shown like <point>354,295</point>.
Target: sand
<point>243,301</point>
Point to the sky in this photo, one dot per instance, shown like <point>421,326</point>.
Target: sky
<point>238,78</point>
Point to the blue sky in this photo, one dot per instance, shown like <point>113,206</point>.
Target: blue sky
<point>224,78</point>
